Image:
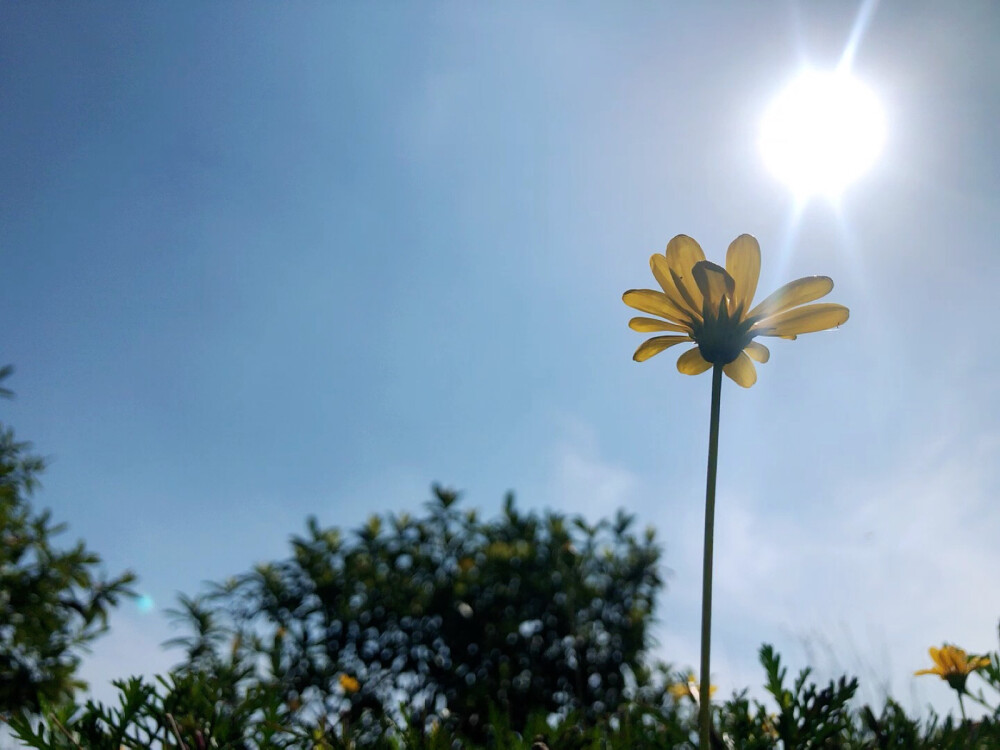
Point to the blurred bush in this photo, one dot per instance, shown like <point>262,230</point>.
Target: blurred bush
<point>453,616</point>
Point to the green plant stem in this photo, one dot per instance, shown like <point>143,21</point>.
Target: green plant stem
<point>961,706</point>
<point>704,701</point>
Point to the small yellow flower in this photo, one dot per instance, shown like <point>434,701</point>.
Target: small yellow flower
<point>710,305</point>
<point>688,689</point>
<point>348,683</point>
<point>952,664</point>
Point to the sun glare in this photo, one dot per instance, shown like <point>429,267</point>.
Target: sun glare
<point>822,133</point>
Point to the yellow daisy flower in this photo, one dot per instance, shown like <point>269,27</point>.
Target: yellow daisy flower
<point>688,689</point>
<point>711,306</point>
<point>348,683</point>
<point>952,664</point>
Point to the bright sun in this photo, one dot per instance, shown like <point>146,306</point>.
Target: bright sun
<point>821,133</point>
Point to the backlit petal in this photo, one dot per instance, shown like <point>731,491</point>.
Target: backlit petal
<point>692,295</point>
<point>805,319</point>
<point>692,363</point>
<point>715,284</point>
<point>655,345</point>
<point>741,371</point>
<point>792,294</point>
<point>658,265</point>
<point>682,253</point>
<point>743,264</point>
<point>674,290</point>
<point>654,303</point>
<point>936,656</point>
<point>647,325</point>
<point>951,660</point>
<point>756,350</point>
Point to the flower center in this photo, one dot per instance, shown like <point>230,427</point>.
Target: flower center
<point>721,337</point>
<point>957,681</point>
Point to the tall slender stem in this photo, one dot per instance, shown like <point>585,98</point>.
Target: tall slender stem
<point>704,703</point>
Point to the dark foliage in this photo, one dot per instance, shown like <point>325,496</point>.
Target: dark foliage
<point>451,615</point>
<point>220,700</point>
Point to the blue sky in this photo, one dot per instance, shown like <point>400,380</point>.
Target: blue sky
<point>262,261</point>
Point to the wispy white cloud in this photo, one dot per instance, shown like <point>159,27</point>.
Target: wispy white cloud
<point>581,480</point>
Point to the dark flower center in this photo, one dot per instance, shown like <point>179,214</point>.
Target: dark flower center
<point>957,680</point>
<point>722,337</point>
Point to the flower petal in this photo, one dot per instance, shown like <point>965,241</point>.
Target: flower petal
<point>805,319</point>
<point>654,303</point>
<point>648,325</point>
<point>655,345</point>
<point>743,264</point>
<point>793,294</point>
<point>692,363</point>
<point>950,660</point>
<point>691,296</point>
<point>936,656</point>
<point>673,287</point>
<point>658,265</point>
<point>682,253</point>
<point>715,285</point>
<point>758,351</point>
<point>741,371</point>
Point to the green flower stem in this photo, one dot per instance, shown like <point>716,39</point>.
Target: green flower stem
<point>704,702</point>
<point>961,706</point>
